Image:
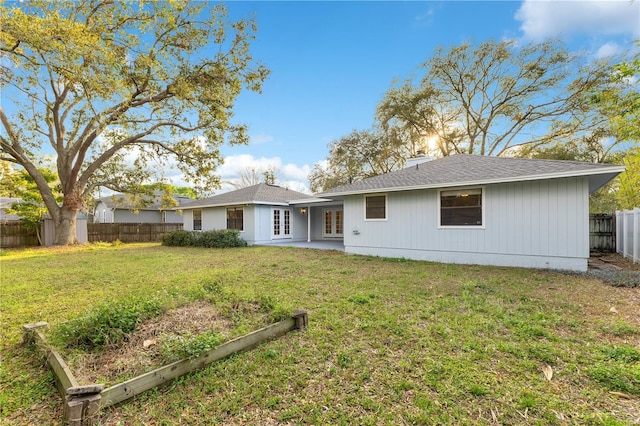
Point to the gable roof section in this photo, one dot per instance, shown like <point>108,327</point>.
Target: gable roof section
<point>121,201</point>
<point>261,193</point>
<point>465,170</point>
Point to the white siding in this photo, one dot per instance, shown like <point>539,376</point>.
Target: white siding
<point>214,218</point>
<point>534,224</point>
<point>187,220</point>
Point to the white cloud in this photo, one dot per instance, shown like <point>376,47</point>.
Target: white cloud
<point>607,50</point>
<point>260,139</point>
<point>288,175</point>
<point>547,18</point>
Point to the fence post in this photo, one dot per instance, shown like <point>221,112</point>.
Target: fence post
<point>635,241</point>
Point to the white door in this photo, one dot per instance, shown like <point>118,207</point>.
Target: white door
<point>333,223</point>
<point>281,223</point>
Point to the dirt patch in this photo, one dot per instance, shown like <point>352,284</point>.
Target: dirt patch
<point>612,261</point>
<point>142,351</point>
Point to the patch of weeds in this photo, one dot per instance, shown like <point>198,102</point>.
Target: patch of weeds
<point>542,352</point>
<point>189,346</point>
<point>344,360</point>
<point>359,299</point>
<point>527,400</point>
<point>623,353</point>
<point>106,324</point>
<point>616,377</point>
<point>620,328</point>
<point>478,390</point>
<point>275,311</point>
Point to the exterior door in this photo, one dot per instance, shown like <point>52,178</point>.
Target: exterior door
<point>281,223</point>
<point>333,225</point>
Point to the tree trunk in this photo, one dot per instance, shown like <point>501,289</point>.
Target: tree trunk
<point>65,227</point>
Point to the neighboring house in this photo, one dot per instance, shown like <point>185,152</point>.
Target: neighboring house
<point>476,210</point>
<point>458,209</point>
<point>6,203</point>
<point>118,209</point>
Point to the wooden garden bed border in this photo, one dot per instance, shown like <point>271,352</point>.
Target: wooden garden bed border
<point>83,402</point>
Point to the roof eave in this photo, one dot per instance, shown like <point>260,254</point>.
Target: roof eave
<point>614,171</point>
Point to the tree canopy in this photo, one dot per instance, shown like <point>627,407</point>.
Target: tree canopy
<point>495,98</point>
<point>119,90</point>
<point>491,98</point>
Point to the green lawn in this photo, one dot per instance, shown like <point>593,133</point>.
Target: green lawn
<point>389,341</point>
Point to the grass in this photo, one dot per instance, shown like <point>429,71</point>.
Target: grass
<point>389,341</point>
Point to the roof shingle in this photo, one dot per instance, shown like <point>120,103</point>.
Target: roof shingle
<point>261,193</point>
<point>461,169</point>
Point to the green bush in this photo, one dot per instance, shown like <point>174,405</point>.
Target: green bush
<point>221,238</point>
<point>108,323</point>
<point>179,238</point>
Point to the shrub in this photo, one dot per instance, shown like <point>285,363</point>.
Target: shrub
<point>221,238</point>
<point>108,323</point>
<point>179,238</point>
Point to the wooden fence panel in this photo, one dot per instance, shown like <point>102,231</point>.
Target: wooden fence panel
<point>130,232</point>
<point>602,233</point>
<point>14,234</point>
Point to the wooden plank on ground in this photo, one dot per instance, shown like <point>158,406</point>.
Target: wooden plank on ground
<point>61,370</point>
<point>137,385</point>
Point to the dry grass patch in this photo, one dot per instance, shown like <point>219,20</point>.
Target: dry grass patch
<point>142,351</point>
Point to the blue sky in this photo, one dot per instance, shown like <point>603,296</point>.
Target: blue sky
<point>331,62</point>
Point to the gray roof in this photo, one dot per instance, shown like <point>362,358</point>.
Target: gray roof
<point>261,193</point>
<point>6,203</point>
<point>122,201</point>
<point>462,170</point>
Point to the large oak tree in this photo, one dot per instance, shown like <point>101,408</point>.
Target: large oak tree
<point>118,90</point>
<point>491,98</point>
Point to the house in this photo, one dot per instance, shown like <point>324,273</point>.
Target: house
<point>458,209</point>
<point>5,204</point>
<point>476,210</point>
<point>263,214</point>
<point>119,208</point>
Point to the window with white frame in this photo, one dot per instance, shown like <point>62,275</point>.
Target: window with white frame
<point>375,207</point>
<point>235,218</point>
<point>461,207</point>
<point>197,219</point>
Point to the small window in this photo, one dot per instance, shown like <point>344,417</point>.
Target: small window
<point>235,218</point>
<point>461,207</point>
<point>376,207</point>
<point>197,220</point>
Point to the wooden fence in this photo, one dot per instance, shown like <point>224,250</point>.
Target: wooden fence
<point>14,234</point>
<point>628,234</point>
<point>602,233</point>
<point>130,232</point>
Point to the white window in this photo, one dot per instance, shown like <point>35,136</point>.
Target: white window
<point>197,220</point>
<point>461,208</point>
<point>235,218</point>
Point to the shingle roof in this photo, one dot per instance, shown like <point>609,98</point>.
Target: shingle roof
<point>261,193</point>
<point>460,170</point>
<point>122,201</point>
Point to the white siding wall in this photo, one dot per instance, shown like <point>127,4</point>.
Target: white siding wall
<point>543,224</point>
<point>214,218</point>
<point>187,220</point>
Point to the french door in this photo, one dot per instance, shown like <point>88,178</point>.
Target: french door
<point>281,223</point>
<point>333,224</point>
